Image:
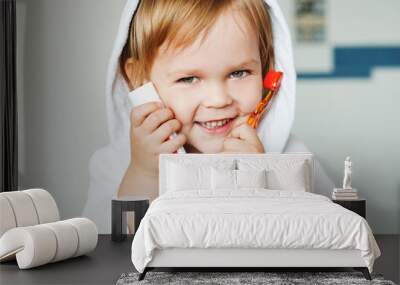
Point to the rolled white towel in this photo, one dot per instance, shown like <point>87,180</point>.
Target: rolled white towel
<point>45,243</point>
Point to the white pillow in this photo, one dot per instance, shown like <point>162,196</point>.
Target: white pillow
<point>282,174</point>
<point>288,178</point>
<point>251,178</point>
<point>236,179</point>
<point>181,177</point>
<point>187,173</point>
<point>223,179</point>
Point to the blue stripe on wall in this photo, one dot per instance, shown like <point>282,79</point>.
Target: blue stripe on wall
<point>357,62</point>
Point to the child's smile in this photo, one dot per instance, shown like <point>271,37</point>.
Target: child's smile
<point>217,126</point>
<point>210,84</point>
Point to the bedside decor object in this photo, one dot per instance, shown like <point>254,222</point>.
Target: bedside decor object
<point>347,192</point>
<point>119,207</point>
<point>347,174</point>
<point>31,232</point>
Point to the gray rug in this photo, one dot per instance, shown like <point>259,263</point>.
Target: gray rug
<point>229,278</point>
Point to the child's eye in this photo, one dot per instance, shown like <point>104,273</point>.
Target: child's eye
<point>187,80</point>
<point>239,73</point>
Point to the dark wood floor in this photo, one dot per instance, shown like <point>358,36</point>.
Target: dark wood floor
<point>110,260</point>
<point>389,262</point>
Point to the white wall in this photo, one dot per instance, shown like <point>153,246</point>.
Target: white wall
<point>63,57</point>
<point>63,49</point>
<point>356,117</point>
<point>359,118</point>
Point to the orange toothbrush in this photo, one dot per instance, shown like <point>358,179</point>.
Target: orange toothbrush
<point>272,82</point>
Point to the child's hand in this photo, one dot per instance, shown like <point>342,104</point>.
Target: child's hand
<point>242,138</point>
<point>151,126</point>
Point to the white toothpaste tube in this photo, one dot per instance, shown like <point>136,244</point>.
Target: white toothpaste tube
<point>147,93</point>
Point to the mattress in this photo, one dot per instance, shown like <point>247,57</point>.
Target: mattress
<point>250,218</point>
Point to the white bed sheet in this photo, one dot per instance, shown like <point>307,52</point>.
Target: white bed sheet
<point>250,218</point>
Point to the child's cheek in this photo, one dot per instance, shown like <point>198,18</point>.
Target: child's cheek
<point>248,106</point>
<point>183,110</point>
<point>248,98</point>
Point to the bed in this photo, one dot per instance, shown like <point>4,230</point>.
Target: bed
<point>245,211</point>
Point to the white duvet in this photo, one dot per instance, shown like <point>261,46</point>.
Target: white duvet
<point>251,218</point>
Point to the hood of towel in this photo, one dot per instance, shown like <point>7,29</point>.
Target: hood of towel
<point>275,126</point>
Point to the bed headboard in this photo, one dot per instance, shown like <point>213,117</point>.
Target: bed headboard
<point>198,159</point>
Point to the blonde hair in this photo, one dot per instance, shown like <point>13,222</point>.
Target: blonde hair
<point>179,22</point>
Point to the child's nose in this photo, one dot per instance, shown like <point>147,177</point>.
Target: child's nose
<point>216,96</point>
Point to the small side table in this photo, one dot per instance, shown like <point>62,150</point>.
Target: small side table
<point>358,206</point>
<point>137,204</point>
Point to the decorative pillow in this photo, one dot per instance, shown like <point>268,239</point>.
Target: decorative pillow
<point>251,178</point>
<point>288,179</point>
<point>229,179</point>
<point>181,177</point>
<point>223,179</point>
<point>288,174</point>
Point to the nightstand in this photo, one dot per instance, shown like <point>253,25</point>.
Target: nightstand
<point>358,206</point>
<point>137,204</point>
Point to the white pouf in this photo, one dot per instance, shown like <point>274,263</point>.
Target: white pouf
<point>40,244</point>
<point>31,233</point>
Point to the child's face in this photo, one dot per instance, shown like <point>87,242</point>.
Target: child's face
<point>216,80</point>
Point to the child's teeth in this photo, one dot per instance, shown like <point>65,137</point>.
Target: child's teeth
<point>214,124</point>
